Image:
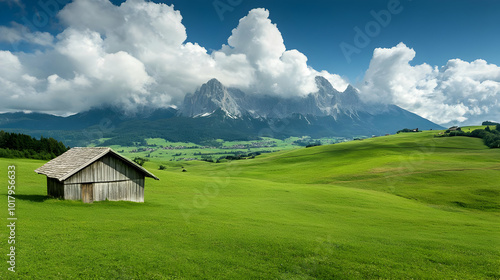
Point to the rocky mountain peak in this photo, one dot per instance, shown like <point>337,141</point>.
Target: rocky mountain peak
<point>211,96</point>
<point>327,101</point>
<point>212,88</point>
<point>351,90</point>
<point>213,84</point>
<point>350,100</point>
<point>324,85</point>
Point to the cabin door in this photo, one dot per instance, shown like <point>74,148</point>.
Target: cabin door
<point>87,193</point>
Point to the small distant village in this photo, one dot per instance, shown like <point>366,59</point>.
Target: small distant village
<point>220,150</point>
<point>252,145</point>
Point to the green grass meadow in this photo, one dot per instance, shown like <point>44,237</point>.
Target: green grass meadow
<point>157,149</point>
<point>407,206</point>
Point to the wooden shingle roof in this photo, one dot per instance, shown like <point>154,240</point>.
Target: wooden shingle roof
<point>76,159</point>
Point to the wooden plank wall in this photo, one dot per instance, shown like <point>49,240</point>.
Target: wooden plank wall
<point>73,191</point>
<point>87,193</point>
<point>55,188</point>
<point>107,169</point>
<point>112,179</point>
<point>131,190</point>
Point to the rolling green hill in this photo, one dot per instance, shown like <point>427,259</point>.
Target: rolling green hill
<point>396,207</point>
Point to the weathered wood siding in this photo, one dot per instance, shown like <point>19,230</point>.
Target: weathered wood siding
<point>87,193</point>
<point>73,191</point>
<point>55,188</point>
<point>131,190</point>
<point>107,169</point>
<point>111,179</point>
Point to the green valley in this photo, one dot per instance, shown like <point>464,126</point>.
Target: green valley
<point>160,150</point>
<point>406,206</point>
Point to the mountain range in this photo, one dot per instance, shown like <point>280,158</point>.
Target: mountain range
<point>326,101</point>
<point>218,112</point>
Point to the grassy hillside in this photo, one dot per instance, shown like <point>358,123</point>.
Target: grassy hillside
<point>158,149</point>
<point>399,207</point>
<point>443,172</point>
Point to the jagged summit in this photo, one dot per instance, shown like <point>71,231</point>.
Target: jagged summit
<point>327,101</point>
<point>350,88</point>
<point>212,89</point>
<point>326,110</point>
<point>213,83</point>
<point>351,102</point>
<point>218,112</point>
<point>324,85</point>
<point>210,97</point>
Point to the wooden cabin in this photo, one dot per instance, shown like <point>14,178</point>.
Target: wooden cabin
<point>94,174</point>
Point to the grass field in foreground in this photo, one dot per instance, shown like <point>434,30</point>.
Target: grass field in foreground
<point>398,207</point>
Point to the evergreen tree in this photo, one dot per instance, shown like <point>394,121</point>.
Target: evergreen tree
<point>15,145</point>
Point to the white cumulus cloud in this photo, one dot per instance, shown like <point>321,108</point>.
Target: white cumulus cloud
<point>18,33</point>
<point>136,54</point>
<point>275,70</point>
<point>457,92</point>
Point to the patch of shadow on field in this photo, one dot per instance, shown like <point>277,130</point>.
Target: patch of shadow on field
<point>32,197</point>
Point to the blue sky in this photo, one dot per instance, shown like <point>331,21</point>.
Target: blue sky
<point>460,36</point>
<point>437,30</point>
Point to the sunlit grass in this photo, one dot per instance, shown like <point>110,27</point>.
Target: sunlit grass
<point>397,207</point>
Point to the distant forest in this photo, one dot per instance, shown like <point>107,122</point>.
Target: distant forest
<point>16,145</point>
<point>490,123</point>
<point>490,136</point>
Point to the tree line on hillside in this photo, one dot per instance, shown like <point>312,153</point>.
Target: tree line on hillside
<point>201,131</point>
<point>491,137</point>
<point>307,143</point>
<point>17,145</point>
<point>236,156</point>
<point>408,130</point>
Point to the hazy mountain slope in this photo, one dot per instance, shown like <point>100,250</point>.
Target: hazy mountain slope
<point>218,112</point>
